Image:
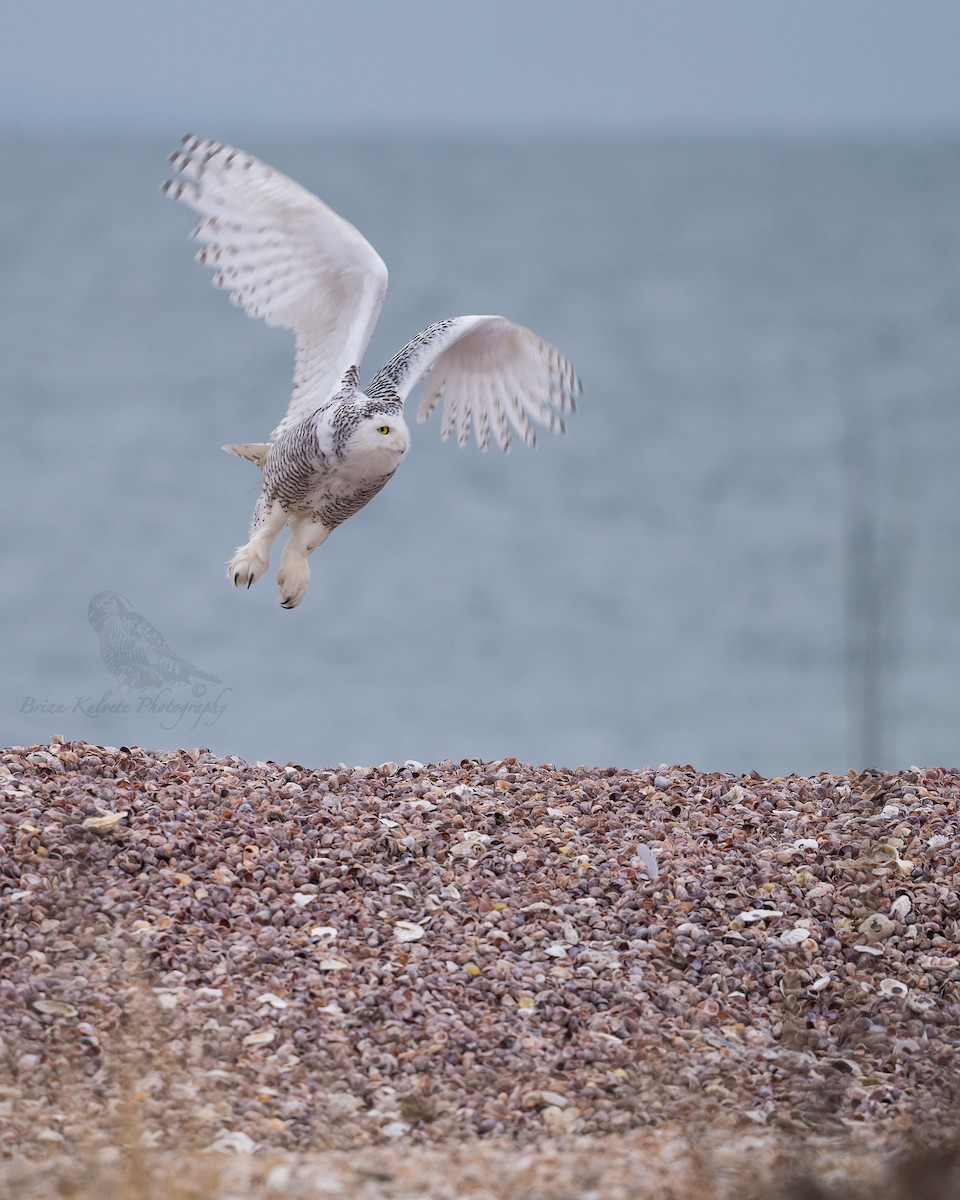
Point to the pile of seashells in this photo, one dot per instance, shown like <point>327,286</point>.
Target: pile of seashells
<point>235,956</point>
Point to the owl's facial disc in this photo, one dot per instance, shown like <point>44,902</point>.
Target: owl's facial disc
<point>381,434</point>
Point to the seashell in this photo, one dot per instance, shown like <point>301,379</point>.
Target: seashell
<point>602,959</point>
<point>333,964</point>
<point>884,852</point>
<point>646,857</point>
<point>322,933</point>
<point>408,931</point>
<point>889,811</point>
<point>877,925</point>
<point>260,1037</point>
<point>233,1141</point>
<point>893,987</point>
<point>559,1118</point>
<point>901,906</point>
<point>937,841</point>
<point>107,821</point>
<point>759,914</point>
<point>874,950</point>
<point>412,765</point>
<point>54,1008</point>
<point>820,983</point>
<point>273,1000</point>
<point>938,962</point>
<point>793,937</point>
<point>49,1135</point>
<point>556,950</point>
<point>920,1003</point>
<point>302,899</point>
<point>43,758</point>
<point>807,844</point>
<point>387,769</point>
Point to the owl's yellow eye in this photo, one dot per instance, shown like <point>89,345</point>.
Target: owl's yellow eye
<point>383,429</point>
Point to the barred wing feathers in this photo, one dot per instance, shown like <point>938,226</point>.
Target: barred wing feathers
<point>286,257</point>
<point>489,375</point>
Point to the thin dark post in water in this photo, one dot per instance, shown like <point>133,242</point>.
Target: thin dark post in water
<point>864,618</point>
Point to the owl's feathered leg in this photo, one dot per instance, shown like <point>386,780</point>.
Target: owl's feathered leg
<point>252,559</point>
<point>294,575</point>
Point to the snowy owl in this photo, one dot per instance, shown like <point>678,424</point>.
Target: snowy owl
<point>285,256</point>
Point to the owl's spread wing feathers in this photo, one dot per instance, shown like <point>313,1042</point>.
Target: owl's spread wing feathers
<point>490,374</point>
<point>286,257</point>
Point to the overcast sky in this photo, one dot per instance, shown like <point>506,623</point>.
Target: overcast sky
<point>229,66</point>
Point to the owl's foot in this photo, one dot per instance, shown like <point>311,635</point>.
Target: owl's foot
<point>247,565</point>
<point>293,577</point>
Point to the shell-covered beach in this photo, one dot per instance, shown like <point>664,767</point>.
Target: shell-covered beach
<point>355,970</point>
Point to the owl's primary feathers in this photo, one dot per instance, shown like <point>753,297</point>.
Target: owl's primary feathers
<point>285,256</point>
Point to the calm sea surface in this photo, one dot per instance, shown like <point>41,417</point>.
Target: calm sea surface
<point>745,553</point>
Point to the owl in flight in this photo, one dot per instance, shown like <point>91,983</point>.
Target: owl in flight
<point>285,256</point>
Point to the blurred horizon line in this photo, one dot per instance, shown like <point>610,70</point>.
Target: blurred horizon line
<point>812,132</point>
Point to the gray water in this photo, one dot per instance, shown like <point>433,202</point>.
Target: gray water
<point>768,338</point>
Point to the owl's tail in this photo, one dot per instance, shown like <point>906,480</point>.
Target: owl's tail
<point>255,452</point>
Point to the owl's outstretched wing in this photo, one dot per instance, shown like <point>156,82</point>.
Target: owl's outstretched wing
<point>286,257</point>
<point>490,374</point>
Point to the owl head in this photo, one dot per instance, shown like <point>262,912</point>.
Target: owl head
<point>381,436</point>
<point>105,605</point>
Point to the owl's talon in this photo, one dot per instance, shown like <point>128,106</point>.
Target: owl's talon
<point>247,565</point>
<point>293,578</point>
